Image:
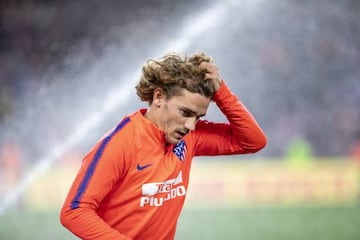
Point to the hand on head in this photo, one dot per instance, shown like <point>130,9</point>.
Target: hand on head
<point>212,73</point>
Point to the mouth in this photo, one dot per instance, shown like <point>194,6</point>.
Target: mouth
<point>180,134</point>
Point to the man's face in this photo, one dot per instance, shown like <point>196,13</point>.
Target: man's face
<point>179,114</point>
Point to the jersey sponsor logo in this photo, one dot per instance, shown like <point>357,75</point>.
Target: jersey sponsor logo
<point>180,150</point>
<point>142,167</point>
<point>155,194</point>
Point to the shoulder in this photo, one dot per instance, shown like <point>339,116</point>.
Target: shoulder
<point>126,126</point>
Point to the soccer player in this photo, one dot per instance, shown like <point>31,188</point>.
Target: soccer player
<point>133,182</point>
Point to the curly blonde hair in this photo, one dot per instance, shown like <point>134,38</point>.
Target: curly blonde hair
<point>173,73</point>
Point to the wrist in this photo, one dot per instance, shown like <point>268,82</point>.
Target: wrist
<point>217,85</point>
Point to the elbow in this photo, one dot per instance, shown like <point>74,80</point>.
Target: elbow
<point>261,143</point>
<point>258,143</point>
<point>65,218</point>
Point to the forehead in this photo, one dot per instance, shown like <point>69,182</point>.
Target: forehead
<point>191,101</point>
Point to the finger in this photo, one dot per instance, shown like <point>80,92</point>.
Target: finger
<point>210,76</point>
<point>205,65</point>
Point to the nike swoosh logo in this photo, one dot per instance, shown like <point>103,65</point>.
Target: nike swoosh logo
<point>139,167</point>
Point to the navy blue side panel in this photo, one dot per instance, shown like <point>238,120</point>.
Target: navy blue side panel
<point>90,171</point>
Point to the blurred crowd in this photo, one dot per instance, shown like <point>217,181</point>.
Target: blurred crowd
<point>37,36</point>
<point>41,40</point>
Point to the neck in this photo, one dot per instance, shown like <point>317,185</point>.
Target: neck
<point>151,115</point>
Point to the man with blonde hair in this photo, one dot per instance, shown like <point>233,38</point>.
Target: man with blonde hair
<point>133,182</point>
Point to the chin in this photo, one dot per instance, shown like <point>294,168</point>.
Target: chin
<point>173,141</point>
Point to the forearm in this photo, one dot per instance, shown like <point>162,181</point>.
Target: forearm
<point>86,224</point>
<point>244,127</point>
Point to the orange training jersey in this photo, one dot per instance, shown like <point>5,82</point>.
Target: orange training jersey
<point>131,185</point>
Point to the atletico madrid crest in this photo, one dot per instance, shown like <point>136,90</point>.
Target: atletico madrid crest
<point>180,150</point>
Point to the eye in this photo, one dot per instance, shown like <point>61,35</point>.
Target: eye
<point>190,114</point>
<point>185,113</point>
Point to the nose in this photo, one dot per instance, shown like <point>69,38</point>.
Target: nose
<point>190,123</point>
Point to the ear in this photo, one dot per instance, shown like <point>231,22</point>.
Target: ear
<point>158,97</point>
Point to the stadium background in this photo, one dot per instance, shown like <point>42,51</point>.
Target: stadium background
<point>67,75</point>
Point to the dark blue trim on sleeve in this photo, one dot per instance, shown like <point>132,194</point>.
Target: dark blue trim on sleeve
<point>90,171</point>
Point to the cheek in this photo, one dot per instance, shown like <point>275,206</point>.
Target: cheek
<point>171,123</point>
<point>174,122</point>
<point>172,118</point>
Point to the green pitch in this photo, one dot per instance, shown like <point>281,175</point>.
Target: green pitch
<point>246,224</point>
<point>271,224</point>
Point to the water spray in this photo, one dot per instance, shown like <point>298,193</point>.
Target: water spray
<point>194,27</point>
